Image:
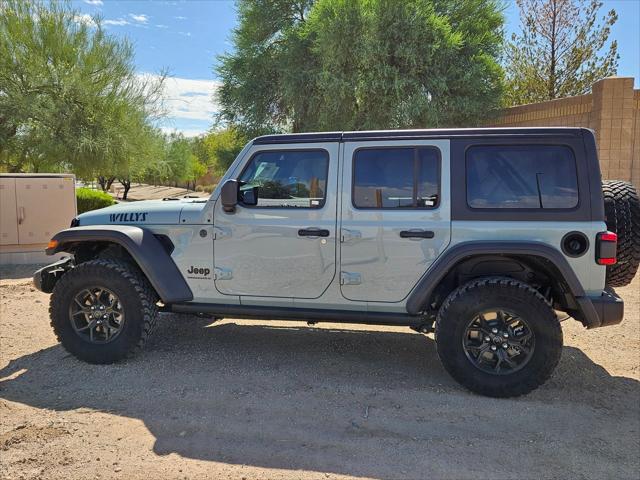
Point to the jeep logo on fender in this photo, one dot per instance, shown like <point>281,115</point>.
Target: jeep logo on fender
<point>198,272</point>
<point>128,217</point>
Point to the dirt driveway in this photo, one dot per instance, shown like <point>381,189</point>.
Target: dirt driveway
<point>250,399</point>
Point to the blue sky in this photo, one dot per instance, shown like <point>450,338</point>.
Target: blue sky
<point>185,36</point>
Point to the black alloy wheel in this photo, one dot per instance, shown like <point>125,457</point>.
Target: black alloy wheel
<point>96,315</point>
<point>498,342</point>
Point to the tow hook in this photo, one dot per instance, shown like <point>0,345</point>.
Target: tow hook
<point>46,278</point>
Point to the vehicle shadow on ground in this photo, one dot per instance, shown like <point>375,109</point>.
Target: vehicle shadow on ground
<point>357,402</point>
<point>18,272</point>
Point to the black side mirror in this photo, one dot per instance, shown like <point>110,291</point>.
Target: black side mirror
<point>249,196</point>
<point>229,195</point>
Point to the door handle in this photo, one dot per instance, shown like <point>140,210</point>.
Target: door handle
<point>20,215</point>
<point>313,232</point>
<point>416,234</point>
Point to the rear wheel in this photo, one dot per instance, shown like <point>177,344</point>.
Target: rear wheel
<point>103,311</point>
<point>622,212</point>
<point>498,337</point>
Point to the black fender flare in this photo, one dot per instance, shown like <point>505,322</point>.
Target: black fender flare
<point>147,251</point>
<point>423,290</point>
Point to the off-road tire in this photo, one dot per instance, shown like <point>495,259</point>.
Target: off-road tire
<point>622,212</point>
<point>484,294</point>
<point>137,297</point>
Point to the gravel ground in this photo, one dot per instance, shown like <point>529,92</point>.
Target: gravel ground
<point>251,399</point>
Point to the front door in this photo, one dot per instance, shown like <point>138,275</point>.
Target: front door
<point>395,216</point>
<point>285,245</point>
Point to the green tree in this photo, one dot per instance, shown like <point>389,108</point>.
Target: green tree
<point>199,149</point>
<point>561,51</point>
<point>149,148</point>
<point>69,95</point>
<point>252,93</point>
<point>357,64</point>
<point>184,165</point>
<point>222,148</point>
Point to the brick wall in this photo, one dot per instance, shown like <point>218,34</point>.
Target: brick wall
<point>612,110</point>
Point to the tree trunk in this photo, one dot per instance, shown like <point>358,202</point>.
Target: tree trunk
<point>105,182</point>
<point>126,183</point>
<point>553,64</point>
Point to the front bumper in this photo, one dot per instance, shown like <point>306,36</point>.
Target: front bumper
<point>601,310</point>
<point>46,278</point>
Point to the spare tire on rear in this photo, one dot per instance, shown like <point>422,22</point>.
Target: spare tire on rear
<point>622,212</point>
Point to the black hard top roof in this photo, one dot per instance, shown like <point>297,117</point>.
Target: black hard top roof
<point>320,137</point>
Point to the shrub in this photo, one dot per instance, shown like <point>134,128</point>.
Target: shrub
<point>209,188</point>
<point>199,188</point>
<point>92,199</point>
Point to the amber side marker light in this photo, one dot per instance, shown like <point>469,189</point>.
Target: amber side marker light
<point>52,244</point>
<point>606,247</point>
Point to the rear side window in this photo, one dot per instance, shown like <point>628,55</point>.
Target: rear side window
<point>287,178</point>
<point>396,178</point>
<point>521,176</point>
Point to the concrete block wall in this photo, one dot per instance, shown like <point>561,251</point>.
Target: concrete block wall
<point>612,110</point>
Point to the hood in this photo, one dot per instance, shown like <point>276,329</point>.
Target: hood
<point>150,212</point>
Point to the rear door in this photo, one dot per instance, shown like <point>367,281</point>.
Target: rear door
<point>285,246</point>
<point>395,216</point>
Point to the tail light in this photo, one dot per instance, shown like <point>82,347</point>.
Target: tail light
<point>606,246</point>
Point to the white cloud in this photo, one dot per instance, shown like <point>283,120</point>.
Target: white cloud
<point>161,26</point>
<point>96,3</point>
<point>185,34</point>
<point>118,22</point>
<point>85,19</point>
<point>180,17</point>
<point>140,18</point>
<point>190,99</point>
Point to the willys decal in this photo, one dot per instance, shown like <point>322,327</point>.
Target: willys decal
<point>128,217</point>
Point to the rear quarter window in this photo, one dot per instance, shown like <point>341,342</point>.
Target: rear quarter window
<point>521,177</point>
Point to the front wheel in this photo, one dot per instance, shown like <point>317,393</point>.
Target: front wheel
<point>103,311</point>
<point>498,337</point>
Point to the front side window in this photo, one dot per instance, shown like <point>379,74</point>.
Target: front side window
<point>396,177</point>
<point>286,179</point>
<point>521,176</point>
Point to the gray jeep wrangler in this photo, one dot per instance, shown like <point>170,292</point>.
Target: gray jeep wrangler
<point>479,235</point>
